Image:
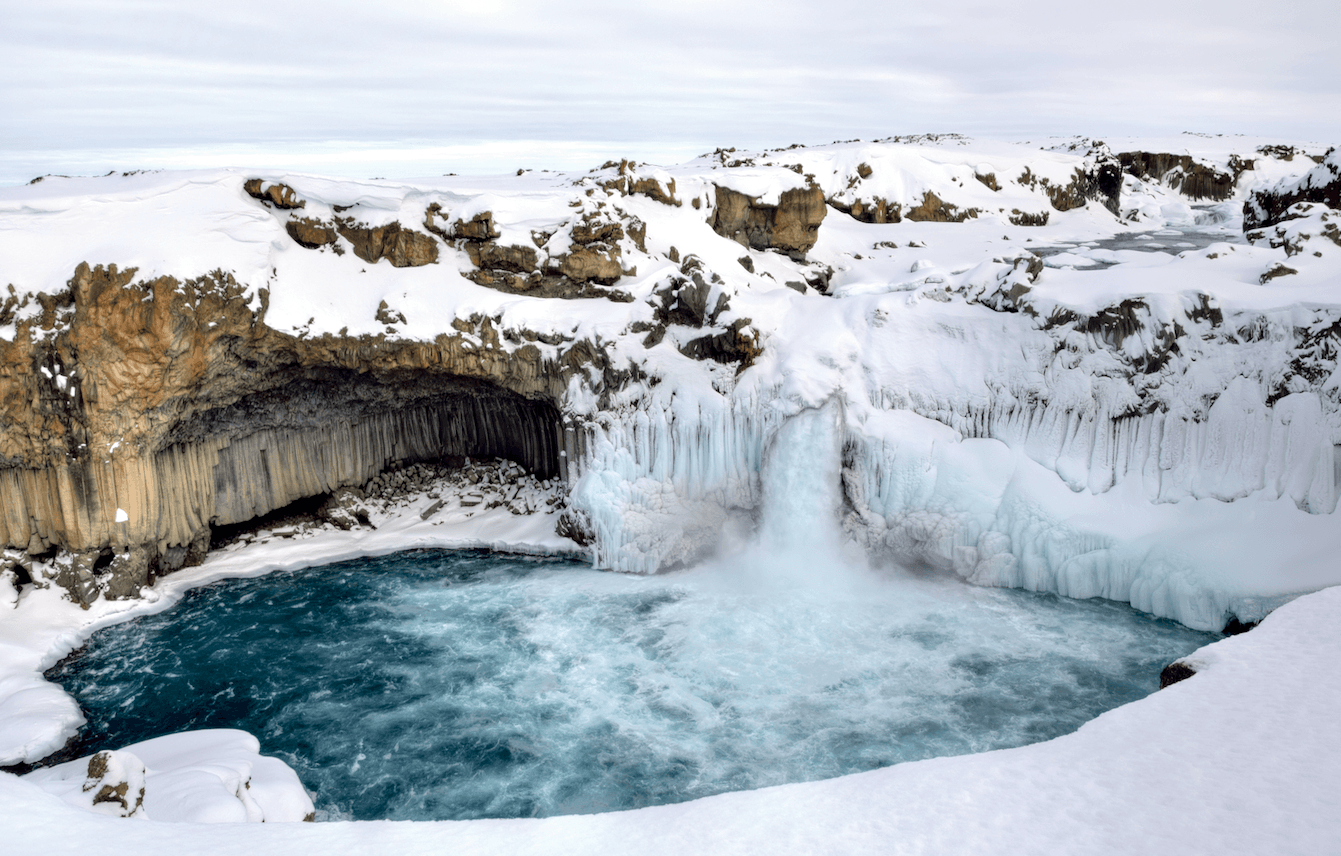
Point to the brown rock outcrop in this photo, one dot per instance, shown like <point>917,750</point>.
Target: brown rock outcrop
<point>629,182</point>
<point>279,195</point>
<point>592,231</point>
<point>873,210</point>
<point>594,263</point>
<point>478,228</point>
<point>310,233</point>
<point>594,259</point>
<point>933,209</point>
<point>791,226</point>
<point>401,246</point>
<point>488,255</point>
<point>1027,218</point>
<point>1103,184</point>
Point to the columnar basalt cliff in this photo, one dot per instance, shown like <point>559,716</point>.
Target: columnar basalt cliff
<point>140,413</point>
<point>1187,175</point>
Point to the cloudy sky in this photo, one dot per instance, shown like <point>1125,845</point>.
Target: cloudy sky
<point>414,88</point>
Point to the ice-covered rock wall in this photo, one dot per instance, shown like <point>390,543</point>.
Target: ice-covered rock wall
<point>647,330</point>
<point>969,439</point>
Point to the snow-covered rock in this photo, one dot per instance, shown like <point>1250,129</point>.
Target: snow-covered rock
<point>214,776</point>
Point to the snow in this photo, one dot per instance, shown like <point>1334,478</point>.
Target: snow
<point>1039,433</point>
<point>211,776</point>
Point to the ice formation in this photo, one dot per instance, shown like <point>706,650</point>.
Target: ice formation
<point>1063,368</point>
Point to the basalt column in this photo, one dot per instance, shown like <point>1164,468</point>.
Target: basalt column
<point>135,516</point>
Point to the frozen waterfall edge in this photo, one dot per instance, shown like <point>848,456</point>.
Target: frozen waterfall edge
<point>659,486</point>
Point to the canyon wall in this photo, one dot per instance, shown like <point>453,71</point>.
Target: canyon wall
<point>137,414</point>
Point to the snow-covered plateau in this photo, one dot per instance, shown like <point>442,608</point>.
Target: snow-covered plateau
<point>1100,369</point>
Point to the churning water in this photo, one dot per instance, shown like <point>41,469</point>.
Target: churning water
<point>441,685</point>
<point>452,685</point>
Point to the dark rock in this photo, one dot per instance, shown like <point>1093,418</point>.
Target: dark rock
<point>737,344</point>
<point>576,525</point>
<point>684,299</point>
<point>1184,174</point>
<point>1274,271</point>
<point>1175,672</point>
<point>1235,627</point>
<point>128,572</point>
<point>1101,183</point>
<point>1322,185</point>
<point>431,510</point>
<point>177,556</point>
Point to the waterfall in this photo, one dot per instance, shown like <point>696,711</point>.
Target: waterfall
<point>802,495</point>
<point>799,544</point>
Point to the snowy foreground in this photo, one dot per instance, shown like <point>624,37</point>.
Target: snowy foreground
<point>1142,405</point>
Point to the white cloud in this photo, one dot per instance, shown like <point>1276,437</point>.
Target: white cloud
<point>135,78</point>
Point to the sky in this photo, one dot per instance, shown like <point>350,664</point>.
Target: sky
<point>400,88</point>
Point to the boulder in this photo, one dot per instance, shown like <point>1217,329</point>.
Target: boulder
<point>1175,672</point>
<point>593,263</point>
<point>310,233</point>
<point>279,195</point>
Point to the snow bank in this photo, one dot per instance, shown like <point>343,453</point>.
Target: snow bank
<point>214,776</point>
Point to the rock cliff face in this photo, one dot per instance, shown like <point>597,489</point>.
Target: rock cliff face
<point>792,225</point>
<point>1185,174</point>
<point>1322,186</point>
<point>140,413</point>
